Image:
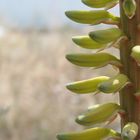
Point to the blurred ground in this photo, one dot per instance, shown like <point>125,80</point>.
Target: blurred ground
<point>33,72</point>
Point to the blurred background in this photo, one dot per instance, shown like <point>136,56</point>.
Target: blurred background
<point>35,35</point>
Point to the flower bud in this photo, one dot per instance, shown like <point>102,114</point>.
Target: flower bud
<point>129,7</point>
<point>96,133</point>
<point>130,131</point>
<point>93,60</point>
<point>87,43</point>
<point>114,84</point>
<point>92,17</point>
<point>100,3</point>
<point>106,36</point>
<point>98,114</point>
<point>86,86</point>
<point>136,53</point>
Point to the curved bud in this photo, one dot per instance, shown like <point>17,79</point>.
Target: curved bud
<point>86,86</point>
<point>129,7</point>
<point>100,3</point>
<point>92,17</point>
<point>96,133</point>
<point>106,36</point>
<point>98,114</point>
<point>87,43</point>
<point>93,60</point>
<point>136,53</point>
<point>130,131</point>
<point>114,84</point>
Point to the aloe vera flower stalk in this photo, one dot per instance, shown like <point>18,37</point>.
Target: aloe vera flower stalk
<point>126,34</point>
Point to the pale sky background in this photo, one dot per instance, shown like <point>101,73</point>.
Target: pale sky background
<point>38,12</point>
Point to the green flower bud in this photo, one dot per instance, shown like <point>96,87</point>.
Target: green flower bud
<point>106,36</point>
<point>98,114</point>
<point>92,17</point>
<point>96,133</point>
<point>100,3</point>
<point>114,84</point>
<point>129,7</point>
<point>130,131</point>
<point>136,53</point>
<point>93,60</point>
<point>86,86</point>
<point>87,43</point>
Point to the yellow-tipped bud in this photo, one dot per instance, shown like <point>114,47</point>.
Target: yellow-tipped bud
<point>89,134</point>
<point>86,86</point>
<point>93,60</point>
<point>114,84</point>
<point>98,114</point>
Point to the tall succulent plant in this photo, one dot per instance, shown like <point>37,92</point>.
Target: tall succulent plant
<point>126,35</point>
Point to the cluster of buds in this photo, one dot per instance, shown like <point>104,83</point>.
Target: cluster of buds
<point>100,40</point>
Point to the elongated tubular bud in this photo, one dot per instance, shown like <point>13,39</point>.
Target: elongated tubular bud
<point>93,60</point>
<point>100,3</point>
<point>114,84</point>
<point>136,53</point>
<point>98,114</point>
<point>92,17</point>
<point>96,133</point>
<point>86,86</point>
<point>87,43</point>
<point>130,131</point>
<point>106,36</point>
<point>129,7</point>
